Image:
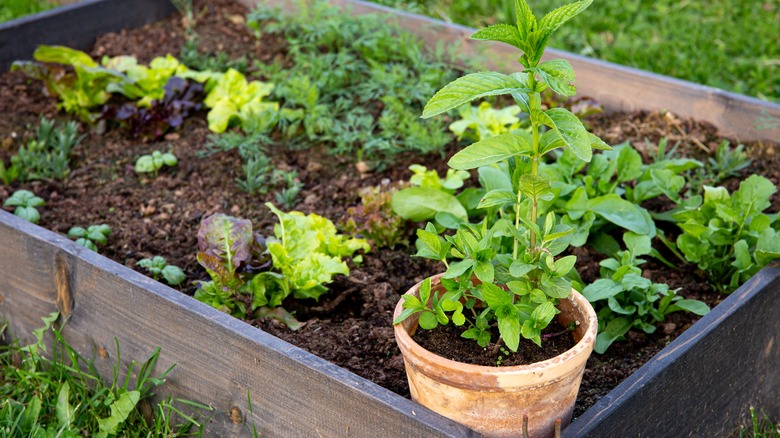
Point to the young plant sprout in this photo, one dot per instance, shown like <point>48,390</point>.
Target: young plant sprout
<point>91,237</point>
<point>25,202</point>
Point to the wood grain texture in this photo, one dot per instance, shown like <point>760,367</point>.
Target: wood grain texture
<point>616,87</point>
<point>704,382</point>
<point>75,25</point>
<point>218,358</point>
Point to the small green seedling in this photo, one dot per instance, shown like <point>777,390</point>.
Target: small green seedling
<point>152,163</point>
<point>92,237</point>
<point>25,202</point>
<point>157,266</point>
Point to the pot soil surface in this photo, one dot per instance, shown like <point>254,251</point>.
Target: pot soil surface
<point>351,325</point>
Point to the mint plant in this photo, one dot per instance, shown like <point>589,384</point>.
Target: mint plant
<point>728,236</point>
<point>152,163</point>
<point>25,202</point>
<point>624,299</point>
<point>91,237</point>
<point>511,266</point>
<point>157,266</point>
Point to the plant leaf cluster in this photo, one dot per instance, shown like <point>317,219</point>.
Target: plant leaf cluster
<point>25,203</point>
<point>483,121</point>
<point>431,197</point>
<point>519,282</point>
<point>91,237</point>
<point>375,219</point>
<point>727,235</point>
<point>632,301</point>
<point>299,260</point>
<point>152,163</point>
<point>158,266</point>
<point>353,83</point>
<point>47,156</point>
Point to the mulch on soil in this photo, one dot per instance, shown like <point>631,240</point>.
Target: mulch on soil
<point>351,325</point>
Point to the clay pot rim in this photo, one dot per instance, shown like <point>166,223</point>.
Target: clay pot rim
<point>421,356</point>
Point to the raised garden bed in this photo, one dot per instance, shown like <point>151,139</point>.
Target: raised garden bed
<point>219,359</point>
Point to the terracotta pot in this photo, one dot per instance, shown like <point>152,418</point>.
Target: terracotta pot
<point>494,400</point>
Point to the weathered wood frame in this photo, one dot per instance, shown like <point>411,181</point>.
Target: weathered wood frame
<point>701,384</point>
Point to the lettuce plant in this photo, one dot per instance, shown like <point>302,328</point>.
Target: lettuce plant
<point>25,202</point>
<point>306,252</point>
<point>374,218</point>
<point>514,260</point>
<point>728,236</point>
<point>624,299</point>
<point>483,121</point>
<point>233,99</point>
<point>224,246</point>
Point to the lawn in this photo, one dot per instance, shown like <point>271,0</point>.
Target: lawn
<point>729,44</point>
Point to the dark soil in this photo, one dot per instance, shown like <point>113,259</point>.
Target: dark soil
<point>351,325</point>
<point>446,342</point>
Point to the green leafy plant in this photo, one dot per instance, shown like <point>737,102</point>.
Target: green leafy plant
<point>157,266</point>
<point>728,236</point>
<point>518,284</point>
<point>13,9</point>
<point>306,252</point>
<point>431,197</point>
<point>59,393</point>
<point>25,202</point>
<point>625,300</point>
<point>287,196</point>
<point>233,99</point>
<point>483,121</point>
<point>152,163</point>
<point>726,163</point>
<point>224,245</point>
<point>374,218</point>
<point>92,237</point>
<point>47,156</point>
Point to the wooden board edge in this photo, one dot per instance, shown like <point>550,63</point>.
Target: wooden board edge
<point>655,370</point>
<point>424,421</point>
<point>618,88</point>
<point>87,20</point>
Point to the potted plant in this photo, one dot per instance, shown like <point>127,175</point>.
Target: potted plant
<point>504,274</point>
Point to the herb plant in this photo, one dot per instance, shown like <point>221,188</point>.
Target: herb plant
<point>152,163</point>
<point>628,300</point>
<point>157,266</point>
<point>47,156</point>
<point>25,202</point>
<point>520,281</point>
<point>728,236</point>
<point>431,197</point>
<point>92,237</point>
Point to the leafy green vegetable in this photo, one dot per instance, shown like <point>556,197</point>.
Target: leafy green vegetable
<point>234,99</point>
<point>374,218</point>
<point>478,123</point>
<point>306,252</point>
<point>728,236</point>
<point>25,202</point>
<point>624,299</point>
<point>224,244</point>
<point>432,198</point>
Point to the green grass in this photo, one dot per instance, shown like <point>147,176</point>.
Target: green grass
<point>59,393</point>
<point>729,44</point>
<point>761,427</point>
<point>11,9</point>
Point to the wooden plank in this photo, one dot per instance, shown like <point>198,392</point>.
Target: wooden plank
<point>616,87</point>
<point>75,25</point>
<point>218,358</point>
<point>704,382</point>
